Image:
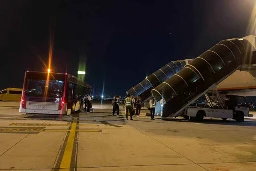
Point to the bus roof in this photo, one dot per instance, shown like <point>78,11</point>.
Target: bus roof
<point>71,78</point>
<point>14,89</point>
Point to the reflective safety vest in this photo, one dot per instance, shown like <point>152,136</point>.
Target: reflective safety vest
<point>154,104</point>
<point>117,100</point>
<point>128,101</point>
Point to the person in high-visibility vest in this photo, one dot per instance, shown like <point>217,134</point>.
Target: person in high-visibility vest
<point>128,106</point>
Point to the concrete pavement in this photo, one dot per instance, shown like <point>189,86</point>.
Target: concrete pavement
<point>104,142</point>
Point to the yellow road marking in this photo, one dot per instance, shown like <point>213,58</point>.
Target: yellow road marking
<point>38,124</point>
<point>67,156</point>
<point>42,129</point>
<point>21,129</point>
<point>19,132</point>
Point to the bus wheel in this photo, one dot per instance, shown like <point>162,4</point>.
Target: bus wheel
<point>200,115</point>
<point>192,118</point>
<point>239,117</point>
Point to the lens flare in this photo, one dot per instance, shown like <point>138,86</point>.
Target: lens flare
<point>49,65</point>
<point>251,30</point>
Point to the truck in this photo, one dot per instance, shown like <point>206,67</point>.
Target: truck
<point>217,104</point>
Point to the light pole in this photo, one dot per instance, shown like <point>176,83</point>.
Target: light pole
<point>81,75</point>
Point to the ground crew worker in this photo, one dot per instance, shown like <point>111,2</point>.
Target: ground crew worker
<point>89,103</point>
<point>128,106</point>
<point>152,104</point>
<point>133,101</point>
<point>138,105</point>
<point>115,103</point>
<point>86,102</point>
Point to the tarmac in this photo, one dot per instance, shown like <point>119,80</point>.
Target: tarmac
<point>99,141</point>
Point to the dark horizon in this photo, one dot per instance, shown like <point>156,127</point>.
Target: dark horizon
<point>121,41</point>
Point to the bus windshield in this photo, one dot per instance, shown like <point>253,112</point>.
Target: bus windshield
<point>37,87</point>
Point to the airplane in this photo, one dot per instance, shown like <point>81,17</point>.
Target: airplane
<point>241,83</point>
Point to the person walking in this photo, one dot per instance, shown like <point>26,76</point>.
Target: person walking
<point>138,105</point>
<point>152,104</point>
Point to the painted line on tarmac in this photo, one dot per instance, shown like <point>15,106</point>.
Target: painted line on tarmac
<point>67,155</point>
<point>37,124</point>
<point>59,156</point>
<point>41,129</point>
<point>21,132</point>
<point>26,130</point>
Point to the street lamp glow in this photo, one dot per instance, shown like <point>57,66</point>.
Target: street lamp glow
<point>49,70</point>
<point>81,72</point>
<point>102,96</point>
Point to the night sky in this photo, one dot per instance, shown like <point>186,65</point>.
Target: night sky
<point>121,40</point>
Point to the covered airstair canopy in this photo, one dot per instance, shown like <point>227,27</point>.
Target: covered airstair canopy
<point>144,88</point>
<point>210,68</point>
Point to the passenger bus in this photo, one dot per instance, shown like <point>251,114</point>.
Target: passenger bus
<point>51,93</point>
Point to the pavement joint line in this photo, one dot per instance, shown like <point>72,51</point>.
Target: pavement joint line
<point>67,156</point>
<point>14,144</point>
<point>168,147</point>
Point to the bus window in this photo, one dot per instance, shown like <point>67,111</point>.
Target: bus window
<point>70,91</point>
<point>15,92</point>
<point>37,88</point>
<point>3,92</point>
<point>11,94</point>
